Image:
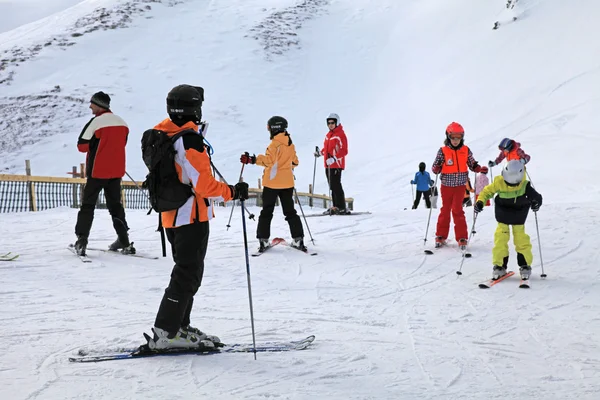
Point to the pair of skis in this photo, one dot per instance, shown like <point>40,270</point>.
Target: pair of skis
<point>8,257</point>
<point>86,259</point>
<point>524,284</point>
<point>278,241</point>
<point>339,215</point>
<point>144,351</point>
<point>464,253</point>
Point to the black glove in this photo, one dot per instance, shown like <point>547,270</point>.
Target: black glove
<point>491,164</point>
<point>239,191</point>
<point>535,206</point>
<point>478,207</point>
<point>246,158</point>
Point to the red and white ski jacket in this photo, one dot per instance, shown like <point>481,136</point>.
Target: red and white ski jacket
<point>103,139</point>
<point>335,145</point>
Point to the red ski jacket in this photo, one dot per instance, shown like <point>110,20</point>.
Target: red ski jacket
<point>335,145</point>
<point>103,139</point>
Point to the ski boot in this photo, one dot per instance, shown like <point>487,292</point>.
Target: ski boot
<point>462,244</point>
<point>123,245</point>
<point>440,241</point>
<point>200,334</point>
<point>181,339</point>
<point>81,245</point>
<point>298,243</point>
<point>263,245</point>
<point>525,272</point>
<point>331,211</point>
<point>498,272</point>
<point>345,211</point>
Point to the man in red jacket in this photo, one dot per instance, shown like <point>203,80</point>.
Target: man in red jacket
<point>103,139</point>
<point>335,150</point>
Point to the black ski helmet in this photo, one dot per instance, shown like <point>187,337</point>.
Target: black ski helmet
<point>277,125</point>
<point>421,166</point>
<point>184,103</point>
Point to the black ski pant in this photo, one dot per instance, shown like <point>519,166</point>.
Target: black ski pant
<point>112,193</point>
<point>269,198</point>
<point>334,178</point>
<point>188,245</point>
<point>426,194</point>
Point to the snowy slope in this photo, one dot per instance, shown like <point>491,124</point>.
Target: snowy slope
<point>390,322</point>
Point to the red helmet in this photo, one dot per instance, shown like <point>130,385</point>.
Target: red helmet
<point>455,129</point>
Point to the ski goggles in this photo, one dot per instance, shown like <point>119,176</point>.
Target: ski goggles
<point>331,122</point>
<point>455,136</point>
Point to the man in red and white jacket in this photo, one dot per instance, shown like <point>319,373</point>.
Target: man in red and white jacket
<point>103,139</point>
<point>335,150</point>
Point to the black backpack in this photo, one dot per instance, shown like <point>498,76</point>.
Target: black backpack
<point>166,192</point>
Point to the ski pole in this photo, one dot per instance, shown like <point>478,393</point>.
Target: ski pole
<point>314,171</point>
<point>233,206</point>
<point>429,219</point>
<point>329,183</point>
<point>529,177</point>
<point>303,216</point>
<point>248,276</point>
<point>137,186</point>
<point>474,195</point>
<point>464,252</point>
<point>250,215</point>
<point>412,191</point>
<point>539,244</point>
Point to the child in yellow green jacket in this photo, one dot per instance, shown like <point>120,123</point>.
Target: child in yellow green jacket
<point>515,196</point>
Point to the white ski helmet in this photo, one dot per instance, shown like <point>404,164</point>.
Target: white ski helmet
<point>335,117</point>
<point>514,172</point>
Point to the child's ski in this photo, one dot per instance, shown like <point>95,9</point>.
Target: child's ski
<point>524,284</point>
<point>273,243</point>
<point>491,282</point>
<point>84,259</point>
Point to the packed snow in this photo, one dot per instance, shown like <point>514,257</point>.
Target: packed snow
<point>390,322</point>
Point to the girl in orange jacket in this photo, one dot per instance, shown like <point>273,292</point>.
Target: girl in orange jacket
<point>278,182</point>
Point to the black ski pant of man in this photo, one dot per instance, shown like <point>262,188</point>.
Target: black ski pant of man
<point>425,194</point>
<point>269,198</point>
<point>188,245</point>
<point>334,178</point>
<point>112,193</point>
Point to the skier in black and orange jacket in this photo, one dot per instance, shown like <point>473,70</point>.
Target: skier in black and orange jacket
<point>103,139</point>
<point>188,226</point>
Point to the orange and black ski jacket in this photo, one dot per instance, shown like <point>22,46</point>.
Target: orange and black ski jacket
<point>193,166</point>
<point>279,161</point>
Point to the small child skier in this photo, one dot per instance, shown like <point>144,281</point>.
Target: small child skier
<point>481,181</point>
<point>424,183</point>
<point>515,196</point>
<point>510,150</point>
<point>278,182</point>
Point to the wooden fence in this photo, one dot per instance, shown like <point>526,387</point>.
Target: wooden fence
<point>22,193</point>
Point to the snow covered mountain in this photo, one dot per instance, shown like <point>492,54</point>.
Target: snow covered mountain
<point>390,322</point>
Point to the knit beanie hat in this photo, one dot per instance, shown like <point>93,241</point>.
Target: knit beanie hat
<point>101,99</point>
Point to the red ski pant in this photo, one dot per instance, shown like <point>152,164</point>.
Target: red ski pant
<point>452,201</point>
